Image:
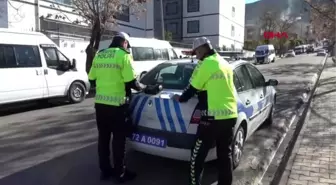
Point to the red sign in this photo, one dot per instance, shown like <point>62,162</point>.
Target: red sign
<point>271,35</point>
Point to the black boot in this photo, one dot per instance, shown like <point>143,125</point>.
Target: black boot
<point>126,176</point>
<point>104,176</point>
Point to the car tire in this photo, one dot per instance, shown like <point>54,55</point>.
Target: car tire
<point>269,119</point>
<point>76,93</point>
<point>238,146</point>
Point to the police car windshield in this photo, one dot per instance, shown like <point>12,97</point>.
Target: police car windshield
<point>169,75</point>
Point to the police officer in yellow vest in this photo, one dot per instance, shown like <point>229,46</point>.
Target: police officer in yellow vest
<point>212,80</point>
<point>112,70</point>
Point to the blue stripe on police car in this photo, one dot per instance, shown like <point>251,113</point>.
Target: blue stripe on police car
<point>169,116</point>
<point>180,117</point>
<point>159,114</point>
<point>140,109</point>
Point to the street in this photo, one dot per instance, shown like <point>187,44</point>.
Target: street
<point>32,140</point>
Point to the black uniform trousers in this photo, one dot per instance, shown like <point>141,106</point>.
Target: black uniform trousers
<point>216,131</point>
<point>111,120</point>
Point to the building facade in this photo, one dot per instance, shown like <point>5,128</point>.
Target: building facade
<point>222,21</point>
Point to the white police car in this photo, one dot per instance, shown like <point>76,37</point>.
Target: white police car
<point>167,128</point>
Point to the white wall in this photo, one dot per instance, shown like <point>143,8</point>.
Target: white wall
<point>227,19</point>
<point>215,22</point>
<point>208,19</point>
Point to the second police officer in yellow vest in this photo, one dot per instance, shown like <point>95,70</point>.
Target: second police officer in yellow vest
<point>114,76</point>
<point>212,80</point>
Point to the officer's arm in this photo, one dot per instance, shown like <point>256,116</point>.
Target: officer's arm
<point>129,75</point>
<point>198,80</point>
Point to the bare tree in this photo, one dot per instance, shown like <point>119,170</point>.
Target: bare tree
<point>267,21</point>
<point>283,26</point>
<point>99,14</point>
<point>17,12</point>
<point>323,18</point>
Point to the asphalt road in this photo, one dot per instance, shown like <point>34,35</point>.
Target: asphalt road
<point>34,139</point>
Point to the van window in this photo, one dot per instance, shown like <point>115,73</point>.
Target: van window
<point>172,54</point>
<point>19,56</point>
<point>27,56</point>
<point>161,54</point>
<point>54,57</point>
<point>142,53</point>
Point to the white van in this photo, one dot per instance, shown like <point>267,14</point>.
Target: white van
<point>147,52</point>
<point>33,68</point>
<point>264,54</point>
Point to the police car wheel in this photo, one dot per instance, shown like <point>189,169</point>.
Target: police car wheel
<point>269,120</point>
<point>238,146</point>
<point>76,92</point>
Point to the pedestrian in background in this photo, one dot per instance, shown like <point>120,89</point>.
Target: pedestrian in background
<point>114,76</point>
<point>212,80</point>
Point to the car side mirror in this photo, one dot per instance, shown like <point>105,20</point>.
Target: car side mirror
<point>272,82</point>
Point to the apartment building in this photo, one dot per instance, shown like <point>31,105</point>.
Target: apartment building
<point>56,19</point>
<point>222,21</point>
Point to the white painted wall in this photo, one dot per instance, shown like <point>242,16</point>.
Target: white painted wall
<point>215,22</point>
<point>228,19</point>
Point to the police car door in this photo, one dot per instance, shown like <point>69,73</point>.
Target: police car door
<point>264,95</point>
<point>248,102</point>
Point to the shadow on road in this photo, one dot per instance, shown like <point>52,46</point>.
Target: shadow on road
<point>80,167</point>
<point>15,108</point>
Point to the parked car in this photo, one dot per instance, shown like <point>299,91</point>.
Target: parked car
<point>290,53</point>
<point>167,128</point>
<point>322,52</point>
<point>32,67</point>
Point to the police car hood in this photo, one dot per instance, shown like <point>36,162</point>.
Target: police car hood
<point>161,112</point>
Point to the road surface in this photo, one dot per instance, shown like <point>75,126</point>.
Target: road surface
<point>32,139</point>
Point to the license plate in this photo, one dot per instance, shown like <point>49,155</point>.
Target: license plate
<point>149,140</point>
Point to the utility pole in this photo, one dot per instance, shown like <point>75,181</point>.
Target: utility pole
<point>162,21</point>
<point>37,16</point>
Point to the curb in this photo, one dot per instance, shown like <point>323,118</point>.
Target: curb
<point>300,120</point>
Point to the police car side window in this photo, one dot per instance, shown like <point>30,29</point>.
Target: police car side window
<point>257,78</point>
<point>237,84</point>
<point>244,78</point>
<point>142,53</point>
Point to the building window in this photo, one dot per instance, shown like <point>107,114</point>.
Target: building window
<point>233,11</point>
<point>193,6</point>
<point>193,26</point>
<point>124,15</point>
<point>171,8</point>
<point>172,27</point>
<point>232,31</point>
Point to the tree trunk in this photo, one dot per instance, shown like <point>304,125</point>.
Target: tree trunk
<point>93,46</point>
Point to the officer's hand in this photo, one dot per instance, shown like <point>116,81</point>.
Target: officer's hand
<point>176,97</point>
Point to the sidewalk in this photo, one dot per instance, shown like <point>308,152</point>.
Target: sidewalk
<point>313,160</point>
